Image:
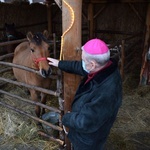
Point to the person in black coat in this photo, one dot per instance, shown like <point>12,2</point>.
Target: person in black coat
<point>97,99</point>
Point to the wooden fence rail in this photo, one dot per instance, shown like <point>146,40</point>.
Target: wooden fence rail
<point>55,127</point>
<point>12,42</point>
<point>127,52</point>
<point>56,93</point>
<point>30,101</point>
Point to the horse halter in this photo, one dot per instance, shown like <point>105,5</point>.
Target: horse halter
<point>37,60</point>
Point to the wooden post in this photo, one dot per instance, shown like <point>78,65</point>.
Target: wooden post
<point>147,34</point>
<point>90,19</point>
<point>122,59</point>
<point>49,15</point>
<point>70,51</point>
<point>146,42</point>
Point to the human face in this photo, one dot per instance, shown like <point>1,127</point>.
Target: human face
<point>89,64</point>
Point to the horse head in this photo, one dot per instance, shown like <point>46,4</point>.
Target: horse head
<point>10,32</point>
<point>39,47</point>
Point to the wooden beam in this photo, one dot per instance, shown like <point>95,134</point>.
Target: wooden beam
<point>71,42</point>
<point>147,34</point>
<point>59,3</point>
<point>146,43</point>
<point>84,15</point>
<point>137,13</point>
<point>116,1</point>
<point>90,19</point>
<point>12,42</point>
<point>49,16</point>
<point>99,11</point>
<point>122,59</point>
<point>118,32</point>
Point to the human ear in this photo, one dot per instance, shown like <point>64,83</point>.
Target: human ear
<point>93,64</point>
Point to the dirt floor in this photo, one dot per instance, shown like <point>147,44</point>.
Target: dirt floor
<point>131,130</point>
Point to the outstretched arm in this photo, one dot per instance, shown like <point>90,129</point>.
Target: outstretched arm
<point>74,67</point>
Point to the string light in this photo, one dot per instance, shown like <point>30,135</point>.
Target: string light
<point>71,24</point>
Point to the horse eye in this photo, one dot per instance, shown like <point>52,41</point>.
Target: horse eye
<point>32,50</point>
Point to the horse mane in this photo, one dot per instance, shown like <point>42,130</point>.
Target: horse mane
<point>38,38</point>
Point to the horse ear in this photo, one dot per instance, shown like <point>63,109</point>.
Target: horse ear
<point>46,34</point>
<point>29,36</point>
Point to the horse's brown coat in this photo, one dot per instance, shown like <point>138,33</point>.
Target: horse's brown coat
<point>25,54</point>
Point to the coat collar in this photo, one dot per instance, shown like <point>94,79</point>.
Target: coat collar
<point>91,75</point>
<point>103,74</point>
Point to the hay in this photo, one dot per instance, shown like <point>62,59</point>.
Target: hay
<point>18,131</point>
<point>130,131</point>
<point>132,127</point>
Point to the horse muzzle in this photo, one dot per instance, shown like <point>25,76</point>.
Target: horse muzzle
<point>46,73</point>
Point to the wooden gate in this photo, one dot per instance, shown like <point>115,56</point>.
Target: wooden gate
<point>56,93</point>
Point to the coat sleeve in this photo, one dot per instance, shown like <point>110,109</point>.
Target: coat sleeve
<point>92,116</point>
<point>74,67</point>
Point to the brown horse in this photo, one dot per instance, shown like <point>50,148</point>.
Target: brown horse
<point>33,54</point>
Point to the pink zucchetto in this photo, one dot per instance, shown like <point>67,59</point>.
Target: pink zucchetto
<point>95,47</point>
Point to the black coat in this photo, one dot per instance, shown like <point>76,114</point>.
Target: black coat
<point>94,108</point>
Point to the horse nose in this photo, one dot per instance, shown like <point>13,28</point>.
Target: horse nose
<point>46,73</point>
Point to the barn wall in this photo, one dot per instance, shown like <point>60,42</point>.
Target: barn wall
<point>117,21</point>
<point>127,18</point>
<point>120,17</point>
<point>116,17</point>
<point>56,20</point>
<point>24,14</point>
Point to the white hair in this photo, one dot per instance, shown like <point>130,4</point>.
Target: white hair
<point>101,59</point>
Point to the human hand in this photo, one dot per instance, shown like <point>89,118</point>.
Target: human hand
<point>64,128</point>
<point>53,62</point>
